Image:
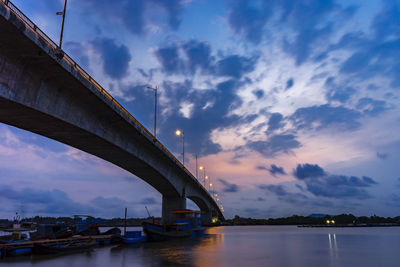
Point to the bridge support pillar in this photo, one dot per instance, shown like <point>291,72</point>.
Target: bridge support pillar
<point>206,218</point>
<point>169,204</point>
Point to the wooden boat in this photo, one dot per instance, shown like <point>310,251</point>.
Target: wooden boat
<point>186,224</point>
<point>161,232</point>
<point>65,247</point>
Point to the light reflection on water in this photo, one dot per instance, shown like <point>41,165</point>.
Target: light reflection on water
<point>247,246</point>
<point>332,247</point>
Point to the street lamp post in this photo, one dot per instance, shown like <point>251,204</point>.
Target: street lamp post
<point>178,133</point>
<point>197,176</point>
<point>155,109</point>
<point>62,23</point>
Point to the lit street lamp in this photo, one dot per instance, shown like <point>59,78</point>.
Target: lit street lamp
<point>155,109</point>
<point>201,168</point>
<point>62,23</point>
<point>178,133</point>
<point>208,179</point>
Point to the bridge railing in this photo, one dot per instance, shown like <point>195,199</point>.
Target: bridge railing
<point>32,26</point>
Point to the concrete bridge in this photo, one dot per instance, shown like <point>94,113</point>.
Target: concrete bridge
<point>44,91</point>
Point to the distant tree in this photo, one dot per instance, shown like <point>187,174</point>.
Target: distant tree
<point>344,218</point>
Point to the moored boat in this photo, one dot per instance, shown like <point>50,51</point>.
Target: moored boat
<point>187,223</point>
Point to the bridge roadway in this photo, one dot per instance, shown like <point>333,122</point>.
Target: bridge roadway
<point>44,91</point>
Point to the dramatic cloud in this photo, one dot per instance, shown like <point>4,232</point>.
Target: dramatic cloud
<point>275,122</point>
<point>169,59</point>
<point>319,183</point>
<point>235,66</point>
<point>56,203</point>
<point>309,22</point>
<point>276,189</point>
<point>174,9</point>
<point>274,170</point>
<point>308,171</point>
<point>371,106</point>
<point>135,15</point>
<point>321,117</point>
<point>289,83</point>
<point>198,56</point>
<point>338,92</point>
<point>248,19</point>
<point>53,202</point>
<point>284,195</point>
<point>379,55</point>
<point>258,93</point>
<point>218,102</point>
<point>115,57</point>
<point>280,143</point>
<point>228,187</point>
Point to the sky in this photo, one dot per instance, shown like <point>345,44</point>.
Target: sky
<point>291,106</point>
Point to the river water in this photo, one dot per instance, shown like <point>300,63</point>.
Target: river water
<point>246,246</point>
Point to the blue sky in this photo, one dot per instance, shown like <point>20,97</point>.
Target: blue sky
<point>291,105</point>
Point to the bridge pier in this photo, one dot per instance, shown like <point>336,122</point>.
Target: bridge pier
<point>206,217</point>
<point>168,205</point>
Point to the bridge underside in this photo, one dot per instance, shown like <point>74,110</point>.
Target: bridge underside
<point>20,116</point>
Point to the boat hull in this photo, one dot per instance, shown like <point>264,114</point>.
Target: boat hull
<point>157,232</point>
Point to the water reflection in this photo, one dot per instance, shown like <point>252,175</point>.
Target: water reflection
<point>189,252</point>
<point>245,246</point>
<point>333,251</point>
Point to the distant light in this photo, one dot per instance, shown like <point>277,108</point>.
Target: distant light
<point>328,221</point>
<point>332,221</point>
<point>201,168</point>
<point>178,132</point>
<point>206,176</point>
<point>211,185</point>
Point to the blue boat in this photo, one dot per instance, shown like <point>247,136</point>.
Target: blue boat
<point>187,224</point>
<point>133,237</point>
